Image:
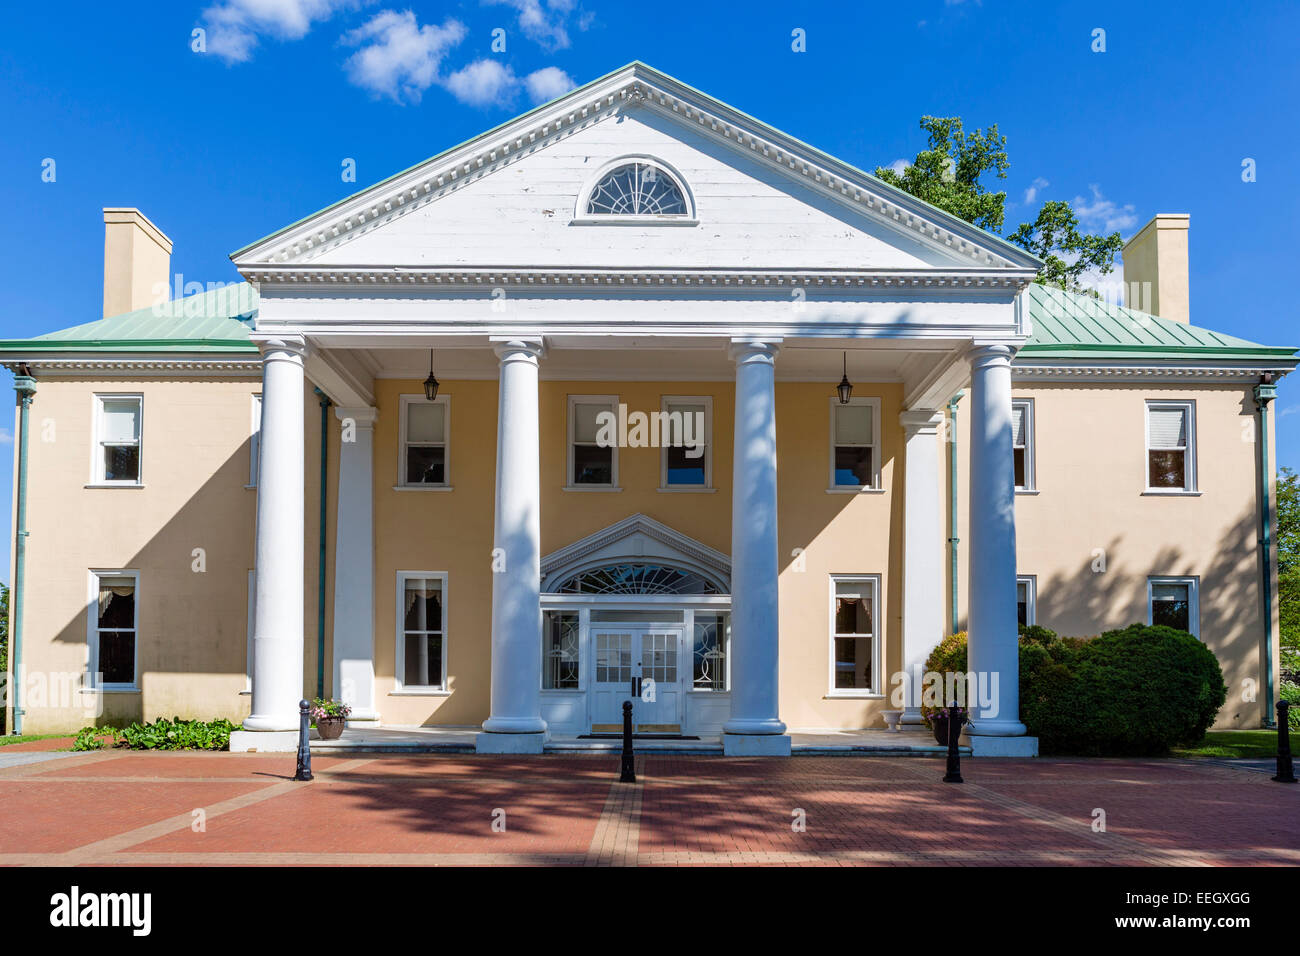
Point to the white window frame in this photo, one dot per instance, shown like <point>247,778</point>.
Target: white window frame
<point>97,478</point>
<point>1193,598</point>
<point>399,684</point>
<point>877,610</point>
<point>1030,581</point>
<point>609,403</point>
<point>1189,454</point>
<point>666,404</point>
<point>404,402</point>
<point>875,446</point>
<point>92,632</point>
<point>1030,443</point>
<point>255,440</point>
<point>583,218</point>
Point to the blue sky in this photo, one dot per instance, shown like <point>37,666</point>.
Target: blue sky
<point>223,146</point>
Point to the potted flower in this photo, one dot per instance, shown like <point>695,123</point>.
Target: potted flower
<point>940,719</point>
<point>329,716</point>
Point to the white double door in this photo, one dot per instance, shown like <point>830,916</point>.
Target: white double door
<point>645,664</point>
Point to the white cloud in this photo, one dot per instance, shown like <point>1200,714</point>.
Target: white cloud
<point>235,27</point>
<point>544,21</point>
<point>1032,192</point>
<point>484,83</point>
<point>548,83</point>
<point>899,165</point>
<point>7,437</point>
<point>398,57</point>
<point>1104,213</point>
<point>1289,410</point>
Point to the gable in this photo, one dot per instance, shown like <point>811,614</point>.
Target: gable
<point>637,539</point>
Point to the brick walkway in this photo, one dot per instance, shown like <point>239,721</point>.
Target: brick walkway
<point>122,808</point>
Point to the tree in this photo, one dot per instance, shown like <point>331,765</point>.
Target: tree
<point>4,628</point>
<point>948,174</point>
<point>1288,569</point>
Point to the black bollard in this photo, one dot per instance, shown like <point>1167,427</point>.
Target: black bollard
<point>1285,772</point>
<point>627,773</point>
<point>955,722</point>
<point>304,748</point>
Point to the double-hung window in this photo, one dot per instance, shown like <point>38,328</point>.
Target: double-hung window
<point>114,629</point>
<point>593,443</point>
<point>855,645</point>
<point>1022,442</point>
<point>117,439</point>
<point>255,442</point>
<point>425,445</point>
<point>422,630</point>
<point>1027,599</point>
<point>1174,602</point>
<point>1171,446</point>
<point>685,429</point>
<point>855,444</point>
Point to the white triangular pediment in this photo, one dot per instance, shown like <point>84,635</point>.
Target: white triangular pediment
<point>637,539</point>
<point>511,199</point>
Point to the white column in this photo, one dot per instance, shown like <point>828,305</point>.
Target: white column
<point>922,552</point>
<point>278,610</point>
<point>516,725</point>
<point>993,631</point>
<point>354,565</point>
<point>754,727</point>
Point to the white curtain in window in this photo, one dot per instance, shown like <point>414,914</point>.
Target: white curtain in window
<point>420,589</point>
<point>585,427</point>
<point>853,425</point>
<point>1169,592</point>
<point>424,422</point>
<point>1018,426</point>
<point>1168,427</point>
<point>121,421</point>
<point>114,587</point>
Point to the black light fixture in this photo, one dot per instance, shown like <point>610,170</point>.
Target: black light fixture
<point>430,383</point>
<point>845,388</point>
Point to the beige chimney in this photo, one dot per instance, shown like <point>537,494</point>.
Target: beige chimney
<point>137,262</point>
<point>1156,278</point>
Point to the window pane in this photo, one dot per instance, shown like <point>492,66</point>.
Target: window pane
<point>853,424</point>
<point>585,427</point>
<point>1171,614</point>
<point>853,609</point>
<point>424,422</point>
<point>117,657</point>
<point>121,420</point>
<point>423,660</point>
<point>853,663</point>
<point>710,665</point>
<point>852,466</point>
<point>423,605</point>
<point>1019,455</point>
<point>593,465</point>
<point>1167,469</point>
<point>425,465</point>
<point>122,463</point>
<point>1018,422</point>
<point>560,651</point>
<point>683,470</point>
<point>1168,427</point>
<point>1169,592</point>
<point>117,602</point>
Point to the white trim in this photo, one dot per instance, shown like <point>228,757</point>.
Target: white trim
<point>255,439</point>
<point>399,668</point>
<point>1030,581</point>
<point>97,478</point>
<point>1193,583</point>
<point>1031,446</point>
<point>251,593</point>
<point>1188,406</point>
<point>876,618</point>
<point>665,405</point>
<point>665,545</point>
<point>92,631</point>
<point>609,403</point>
<point>876,437</point>
<point>581,217</point>
<point>404,402</point>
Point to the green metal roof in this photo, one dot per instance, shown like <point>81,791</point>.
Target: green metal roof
<point>215,321</point>
<point>1068,325</point>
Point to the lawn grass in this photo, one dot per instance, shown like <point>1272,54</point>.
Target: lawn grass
<point>1222,744</point>
<point>25,738</point>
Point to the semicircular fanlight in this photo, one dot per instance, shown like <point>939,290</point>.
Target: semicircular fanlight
<point>637,579</point>
<point>636,189</point>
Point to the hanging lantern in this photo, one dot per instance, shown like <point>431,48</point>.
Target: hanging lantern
<point>430,383</point>
<point>845,388</point>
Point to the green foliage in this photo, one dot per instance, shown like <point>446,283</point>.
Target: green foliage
<point>1056,230</point>
<point>1288,571</point>
<point>161,734</point>
<point>4,627</point>
<point>947,174</point>
<point>1136,691</point>
<point>1290,693</point>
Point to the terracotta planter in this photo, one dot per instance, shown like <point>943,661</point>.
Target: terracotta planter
<point>330,728</point>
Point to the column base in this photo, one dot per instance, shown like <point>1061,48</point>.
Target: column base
<point>366,719</point>
<point>264,741</point>
<point>272,723</point>
<point>912,715</point>
<point>514,725</point>
<point>493,743</point>
<point>996,727</point>
<point>755,745</point>
<point>984,746</point>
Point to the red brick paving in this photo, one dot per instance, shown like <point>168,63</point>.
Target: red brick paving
<point>684,810</point>
<point>49,743</point>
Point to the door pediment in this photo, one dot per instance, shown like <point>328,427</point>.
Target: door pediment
<point>637,540</point>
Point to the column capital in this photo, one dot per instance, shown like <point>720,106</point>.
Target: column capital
<point>745,349</point>
<point>280,346</point>
<point>514,348</point>
<point>362,415</point>
<point>984,352</point>
<point>921,421</point>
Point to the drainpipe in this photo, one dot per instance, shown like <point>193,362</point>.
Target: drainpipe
<point>952,506</point>
<point>1265,392</point>
<point>25,387</point>
<point>325,404</point>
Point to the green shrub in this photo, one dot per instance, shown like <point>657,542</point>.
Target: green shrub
<point>161,734</point>
<point>1291,694</point>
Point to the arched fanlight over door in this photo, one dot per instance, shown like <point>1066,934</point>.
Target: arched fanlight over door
<point>629,578</point>
<point>637,189</point>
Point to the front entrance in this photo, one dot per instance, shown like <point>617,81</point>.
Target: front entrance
<point>640,663</point>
